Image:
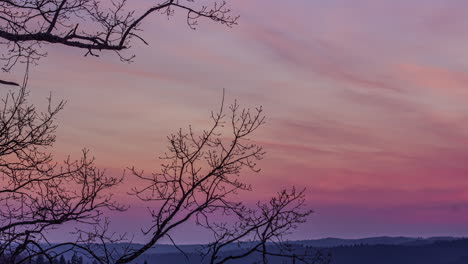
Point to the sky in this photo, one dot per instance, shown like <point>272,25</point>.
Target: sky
<point>366,104</point>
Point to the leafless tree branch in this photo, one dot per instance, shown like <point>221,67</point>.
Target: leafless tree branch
<point>200,178</point>
<point>92,25</point>
<point>37,194</point>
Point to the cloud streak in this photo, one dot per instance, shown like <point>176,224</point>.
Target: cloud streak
<point>366,111</point>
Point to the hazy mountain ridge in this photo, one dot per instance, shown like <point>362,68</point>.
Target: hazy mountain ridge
<point>373,250</point>
<point>382,240</point>
<point>402,251</point>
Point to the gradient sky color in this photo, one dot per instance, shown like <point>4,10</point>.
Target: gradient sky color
<point>366,103</point>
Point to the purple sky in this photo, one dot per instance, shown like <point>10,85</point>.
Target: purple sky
<point>366,104</point>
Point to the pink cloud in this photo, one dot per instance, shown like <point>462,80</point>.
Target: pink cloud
<point>437,78</point>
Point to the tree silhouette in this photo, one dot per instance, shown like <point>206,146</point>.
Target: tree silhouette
<point>92,25</point>
<point>62,260</point>
<point>36,193</point>
<point>40,259</point>
<point>200,177</point>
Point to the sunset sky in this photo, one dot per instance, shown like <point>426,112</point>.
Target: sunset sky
<point>366,104</point>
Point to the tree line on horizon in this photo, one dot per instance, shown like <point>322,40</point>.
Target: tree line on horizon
<point>430,252</point>
<point>75,259</point>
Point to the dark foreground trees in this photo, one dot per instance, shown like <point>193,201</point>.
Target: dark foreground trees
<point>200,177</point>
<point>200,180</point>
<point>37,194</point>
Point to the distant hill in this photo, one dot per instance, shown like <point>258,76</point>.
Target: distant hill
<point>438,252</point>
<point>383,240</point>
<point>373,250</point>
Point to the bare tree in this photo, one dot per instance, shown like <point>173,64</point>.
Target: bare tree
<point>92,25</point>
<point>37,194</point>
<point>199,181</point>
<point>201,178</point>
